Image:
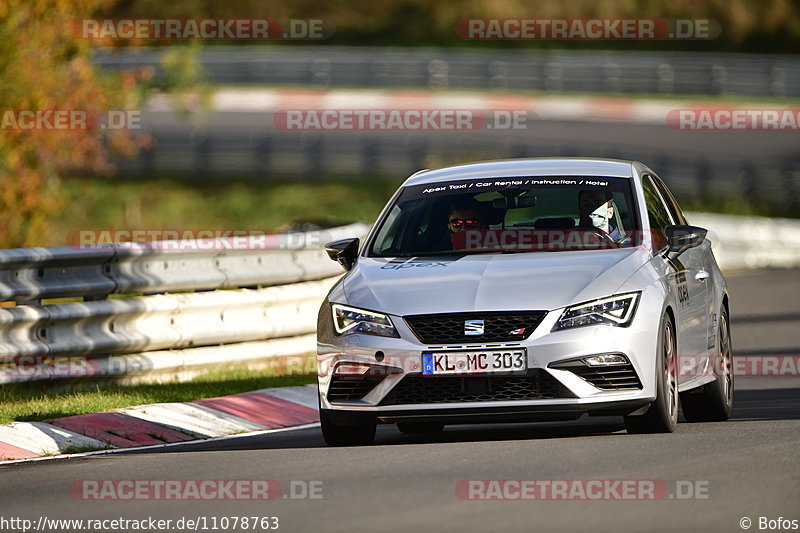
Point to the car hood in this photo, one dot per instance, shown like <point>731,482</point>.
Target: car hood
<point>487,282</point>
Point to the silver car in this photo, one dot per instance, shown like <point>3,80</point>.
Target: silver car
<point>525,290</point>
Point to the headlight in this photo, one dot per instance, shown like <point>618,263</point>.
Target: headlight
<point>612,311</point>
<point>347,320</point>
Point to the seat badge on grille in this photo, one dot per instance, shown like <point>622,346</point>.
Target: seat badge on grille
<point>473,327</point>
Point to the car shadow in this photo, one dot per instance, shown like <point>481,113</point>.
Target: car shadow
<point>388,434</point>
<point>749,405</point>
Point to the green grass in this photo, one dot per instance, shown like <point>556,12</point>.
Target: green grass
<point>80,449</point>
<point>736,205</point>
<point>32,402</point>
<point>268,205</point>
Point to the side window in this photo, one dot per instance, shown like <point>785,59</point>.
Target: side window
<point>656,212</point>
<point>383,240</point>
<point>672,205</point>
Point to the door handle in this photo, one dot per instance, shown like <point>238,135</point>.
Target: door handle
<point>701,275</point>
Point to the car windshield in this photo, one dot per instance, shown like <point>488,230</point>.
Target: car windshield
<point>508,215</point>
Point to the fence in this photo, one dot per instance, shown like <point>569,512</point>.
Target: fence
<point>631,72</point>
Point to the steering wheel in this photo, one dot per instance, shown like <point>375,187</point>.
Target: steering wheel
<point>605,237</point>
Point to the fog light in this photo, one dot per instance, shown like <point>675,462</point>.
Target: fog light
<point>606,359</point>
<point>351,369</point>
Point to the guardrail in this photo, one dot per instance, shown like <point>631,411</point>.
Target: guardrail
<point>616,71</point>
<point>94,272</point>
<point>744,243</point>
<point>294,265</point>
<point>167,321</point>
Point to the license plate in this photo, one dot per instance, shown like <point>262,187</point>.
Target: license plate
<point>478,362</point>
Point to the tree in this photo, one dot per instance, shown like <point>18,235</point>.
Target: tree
<point>45,65</point>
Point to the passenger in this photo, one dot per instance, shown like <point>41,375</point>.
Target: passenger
<point>596,208</point>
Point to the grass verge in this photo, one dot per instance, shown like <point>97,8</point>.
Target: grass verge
<point>161,204</point>
<point>32,402</point>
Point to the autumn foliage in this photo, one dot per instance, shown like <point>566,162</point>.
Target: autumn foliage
<point>45,66</point>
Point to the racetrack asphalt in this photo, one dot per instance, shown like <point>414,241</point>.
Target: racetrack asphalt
<point>749,465</point>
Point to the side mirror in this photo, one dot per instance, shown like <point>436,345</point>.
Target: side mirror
<point>344,252</point>
<point>681,238</point>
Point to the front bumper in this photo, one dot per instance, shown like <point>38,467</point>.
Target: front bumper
<point>575,394</point>
<point>483,414</point>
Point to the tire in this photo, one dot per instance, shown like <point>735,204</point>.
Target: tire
<point>335,435</point>
<point>662,415</point>
<point>713,402</point>
<point>420,427</point>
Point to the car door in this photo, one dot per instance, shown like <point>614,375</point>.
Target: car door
<point>700,256</point>
<point>686,276</point>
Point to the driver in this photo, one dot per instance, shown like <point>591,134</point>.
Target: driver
<point>462,214</point>
<point>465,214</point>
<point>596,209</point>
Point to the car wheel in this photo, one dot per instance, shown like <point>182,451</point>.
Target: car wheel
<point>662,415</point>
<point>420,427</point>
<point>336,435</point>
<point>713,402</point>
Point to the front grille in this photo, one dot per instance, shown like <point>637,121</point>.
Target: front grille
<point>612,377</point>
<point>536,385</point>
<point>498,326</point>
<point>348,388</point>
